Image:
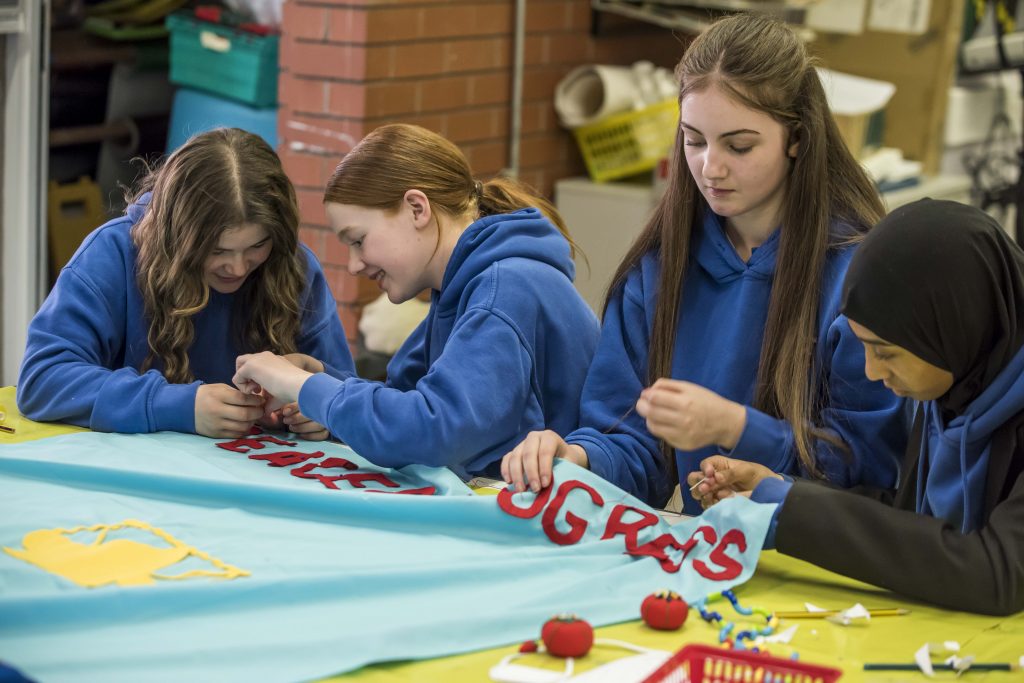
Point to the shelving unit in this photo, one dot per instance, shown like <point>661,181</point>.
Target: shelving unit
<point>109,103</point>
<point>12,16</point>
<point>692,17</point>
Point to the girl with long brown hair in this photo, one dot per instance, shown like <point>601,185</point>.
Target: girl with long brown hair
<point>721,332</point>
<point>507,340</point>
<point>142,328</point>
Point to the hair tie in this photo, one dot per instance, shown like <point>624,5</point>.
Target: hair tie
<point>478,187</point>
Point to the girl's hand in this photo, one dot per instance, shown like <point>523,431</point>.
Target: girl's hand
<point>224,412</point>
<point>530,463</point>
<point>721,477</point>
<point>307,363</point>
<point>300,425</point>
<point>688,416</point>
<point>268,373</point>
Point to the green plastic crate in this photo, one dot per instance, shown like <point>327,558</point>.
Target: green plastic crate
<point>223,60</point>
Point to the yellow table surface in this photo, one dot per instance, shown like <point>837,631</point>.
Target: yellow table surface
<point>24,428</point>
<point>780,583</point>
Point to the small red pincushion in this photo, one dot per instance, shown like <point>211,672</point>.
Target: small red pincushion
<point>528,646</point>
<point>567,636</point>
<point>664,610</point>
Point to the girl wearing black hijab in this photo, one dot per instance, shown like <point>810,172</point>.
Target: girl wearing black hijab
<point>936,294</point>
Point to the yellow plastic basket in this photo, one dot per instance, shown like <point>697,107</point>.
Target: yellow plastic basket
<point>628,143</point>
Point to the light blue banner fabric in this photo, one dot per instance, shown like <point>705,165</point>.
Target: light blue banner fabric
<point>338,577</point>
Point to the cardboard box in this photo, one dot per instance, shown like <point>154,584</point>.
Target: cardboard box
<point>920,66</point>
<point>862,133</point>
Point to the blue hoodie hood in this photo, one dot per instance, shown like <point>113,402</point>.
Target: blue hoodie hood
<point>137,209</point>
<point>525,234</point>
<point>716,255</point>
<point>954,457</point>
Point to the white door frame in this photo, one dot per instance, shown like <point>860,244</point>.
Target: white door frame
<point>23,222</point>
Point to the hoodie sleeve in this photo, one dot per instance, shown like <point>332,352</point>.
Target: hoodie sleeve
<point>863,415</point>
<point>74,341</point>
<point>470,401</point>
<point>409,364</point>
<point>619,446</point>
<point>322,335</point>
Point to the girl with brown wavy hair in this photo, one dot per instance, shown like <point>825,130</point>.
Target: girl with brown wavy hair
<point>142,328</point>
<point>507,340</point>
<point>721,332</point>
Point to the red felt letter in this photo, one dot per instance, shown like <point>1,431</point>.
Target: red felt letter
<point>255,443</point>
<point>615,526</point>
<point>577,525</point>
<point>285,458</point>
<point>656,549</point>
<point>730,567</point>
<point>306,471</point>
<point>506,504</point>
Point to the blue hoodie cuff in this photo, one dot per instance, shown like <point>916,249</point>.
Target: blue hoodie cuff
<point>765,440</point>
<point>317,395</point>
<point>772,490</point>
<point>335,372</point>
<point>174,408</point>
<point>597,458</point>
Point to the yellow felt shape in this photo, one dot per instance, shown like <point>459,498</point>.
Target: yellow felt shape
<point>122,561</point>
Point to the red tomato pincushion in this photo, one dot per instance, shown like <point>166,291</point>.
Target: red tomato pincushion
<point>664,610</point>
<point>567,636</point>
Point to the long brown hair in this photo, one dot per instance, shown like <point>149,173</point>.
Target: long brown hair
<point>760,62</point>
<point>217,181</point>
<point>398,157</point>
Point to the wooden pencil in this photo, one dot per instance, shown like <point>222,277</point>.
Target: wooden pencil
<point>882,612</point>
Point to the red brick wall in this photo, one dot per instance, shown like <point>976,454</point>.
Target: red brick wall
<point>348,66</point>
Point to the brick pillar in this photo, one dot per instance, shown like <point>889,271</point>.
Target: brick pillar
<point>322,88</point>
<point>349,66</point>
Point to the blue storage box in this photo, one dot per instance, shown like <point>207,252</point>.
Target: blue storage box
<point>194,112</point>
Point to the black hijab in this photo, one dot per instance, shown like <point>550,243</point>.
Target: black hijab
<point>944,281</point>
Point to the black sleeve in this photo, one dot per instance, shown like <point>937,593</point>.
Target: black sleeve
<point>913,554</point>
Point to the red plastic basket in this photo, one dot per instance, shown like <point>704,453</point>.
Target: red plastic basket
<point>710,664</point>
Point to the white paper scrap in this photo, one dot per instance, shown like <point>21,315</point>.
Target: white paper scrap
<point>781,637</point>
<point>851,614</point>
<point>923,657</point>
<point>960,664</point>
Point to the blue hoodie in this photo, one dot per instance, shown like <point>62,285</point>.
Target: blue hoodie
<point>504,350</point>
<point>718,346</point>
<point>954,457</point>
<point>90,337</point>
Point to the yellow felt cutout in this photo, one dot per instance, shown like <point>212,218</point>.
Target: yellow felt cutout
<point>124,562</point>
